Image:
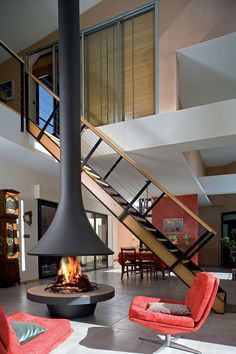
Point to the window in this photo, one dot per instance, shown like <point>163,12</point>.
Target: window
<point>45,108</point>
<point>44,65</point>
<point>118,70</point>
<point>48,265</point>
<point>138,66</point>
<point>99,224</point>
<point>101,76</point>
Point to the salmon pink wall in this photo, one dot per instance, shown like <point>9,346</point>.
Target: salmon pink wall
<point>166,208</point>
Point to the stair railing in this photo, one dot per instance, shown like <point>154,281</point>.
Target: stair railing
<point>150,179</point>
<point>147,175</point>
<point>101,136</point>
<point>9,72</point>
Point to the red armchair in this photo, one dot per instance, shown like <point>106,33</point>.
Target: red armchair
<point>199,301</point>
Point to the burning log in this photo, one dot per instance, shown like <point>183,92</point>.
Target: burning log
<point>70,278</point>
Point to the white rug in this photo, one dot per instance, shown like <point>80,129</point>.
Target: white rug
<point>72,344</point>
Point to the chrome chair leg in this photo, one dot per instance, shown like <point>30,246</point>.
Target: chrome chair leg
<point>169,342</point>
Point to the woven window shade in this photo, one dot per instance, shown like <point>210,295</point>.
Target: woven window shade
<point>101,76</point>
<point>138,66</point>
<point>136,71</point>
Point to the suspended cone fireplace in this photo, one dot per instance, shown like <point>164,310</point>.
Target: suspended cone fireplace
<point>70,233</point>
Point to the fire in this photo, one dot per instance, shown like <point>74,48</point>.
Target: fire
<point>70,270</point>
<point>70,278</point>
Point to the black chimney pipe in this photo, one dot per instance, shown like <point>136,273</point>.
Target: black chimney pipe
<point>70,233</point>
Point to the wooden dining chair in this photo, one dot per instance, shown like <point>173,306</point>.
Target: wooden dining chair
<point>146,264</point>
<point>129,261</point>
<point>161,267</point>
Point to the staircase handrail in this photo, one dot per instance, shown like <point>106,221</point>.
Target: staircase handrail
<point>106,139</point>
<point>21,86</point>
<point>146,174</point>
<point>10,51</point>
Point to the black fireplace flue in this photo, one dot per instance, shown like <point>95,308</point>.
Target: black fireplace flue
<point>70,233</point>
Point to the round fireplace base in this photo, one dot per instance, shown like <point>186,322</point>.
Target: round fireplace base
<point>68,311</point>
<point>70,305</point>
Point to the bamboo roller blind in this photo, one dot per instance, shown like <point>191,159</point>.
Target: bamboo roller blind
<point>136,71</point>
<point>101,76</point>
<point>138,66</point>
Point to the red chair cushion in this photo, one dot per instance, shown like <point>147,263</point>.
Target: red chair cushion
<point>200,294</point>
<point>138,310</point>
<point>2,349</point>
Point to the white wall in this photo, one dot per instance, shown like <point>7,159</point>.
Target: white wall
<point>35,175</point>
<point>206,71</point>
<point>194,128</point>
<point>31,186</point>
<point>24,180</point>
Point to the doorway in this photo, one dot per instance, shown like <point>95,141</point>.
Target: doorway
<point>48,266</point>
<point>100,226</point>
<point>228,224</point>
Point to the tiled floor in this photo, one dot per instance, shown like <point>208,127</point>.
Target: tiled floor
<point>110,331</point>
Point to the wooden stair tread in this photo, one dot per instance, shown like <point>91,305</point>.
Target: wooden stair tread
<point>149,228</point>
<point>54,138</point>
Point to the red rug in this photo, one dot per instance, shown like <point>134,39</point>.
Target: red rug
<point>57,330</point>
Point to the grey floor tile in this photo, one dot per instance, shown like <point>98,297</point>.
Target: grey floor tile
<point>118,333</point>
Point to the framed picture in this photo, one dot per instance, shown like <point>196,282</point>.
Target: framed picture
<point>6,90</point>
<point>173,225</point>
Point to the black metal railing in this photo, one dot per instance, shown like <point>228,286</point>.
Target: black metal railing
<point>41,106</point>
<point>12,80</point>
<point>115,167</point>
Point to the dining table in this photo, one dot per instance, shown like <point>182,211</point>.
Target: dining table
<point>125,256</point>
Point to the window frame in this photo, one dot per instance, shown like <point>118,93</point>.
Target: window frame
<point>119,19</point>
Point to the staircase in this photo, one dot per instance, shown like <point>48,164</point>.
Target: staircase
<point>177,261</point>
<point>118,182</point>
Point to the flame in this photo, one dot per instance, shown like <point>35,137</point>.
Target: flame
<point>70,269</point>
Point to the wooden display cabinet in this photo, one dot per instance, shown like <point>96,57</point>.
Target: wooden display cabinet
<point>9,242</point>
<point>9,203</point>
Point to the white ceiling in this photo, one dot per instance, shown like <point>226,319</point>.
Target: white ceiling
<point>206,71</point>
<point>33,160</point>
<point>171,170</point>
<point>224,184</point>
<point>219,156</point>
<point>33,20</point>
<point>24,22</point>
